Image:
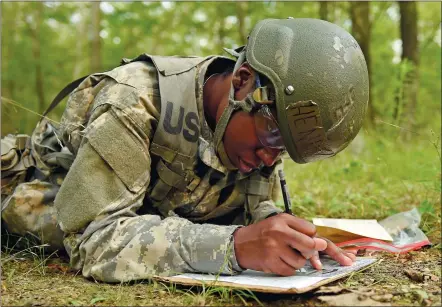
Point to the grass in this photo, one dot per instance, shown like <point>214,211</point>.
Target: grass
<point>377,176</point>
<point>61,287</point>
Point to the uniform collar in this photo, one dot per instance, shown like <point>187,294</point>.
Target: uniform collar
<point>206,146</point>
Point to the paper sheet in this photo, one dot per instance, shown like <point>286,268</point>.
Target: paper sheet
<point>362,228</point>
<point>303,281</point>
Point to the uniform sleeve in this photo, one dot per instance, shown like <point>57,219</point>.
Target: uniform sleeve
<point>99,198</point>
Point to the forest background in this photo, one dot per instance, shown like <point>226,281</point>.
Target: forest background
<point>393,165</point>
<point>46,45</point>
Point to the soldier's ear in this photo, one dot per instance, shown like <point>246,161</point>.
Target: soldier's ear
<point>244,77</point>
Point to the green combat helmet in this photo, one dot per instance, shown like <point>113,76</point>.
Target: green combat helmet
<point>318,78</point>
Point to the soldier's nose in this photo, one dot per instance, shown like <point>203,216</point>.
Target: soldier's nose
<point>268,155</point>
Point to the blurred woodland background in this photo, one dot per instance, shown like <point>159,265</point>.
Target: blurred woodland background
<point>393,165</point>
<point>46,45</point>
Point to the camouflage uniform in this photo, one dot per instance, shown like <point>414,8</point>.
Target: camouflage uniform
<point>114,229</point>
<point>30,183</point>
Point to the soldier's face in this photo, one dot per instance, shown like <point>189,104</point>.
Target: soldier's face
<point>241,142</point>
<point>242,145</point>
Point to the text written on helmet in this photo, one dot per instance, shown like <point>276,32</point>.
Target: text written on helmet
<point>190,119</point>
<point>349,98</point>
<point>307,130</point>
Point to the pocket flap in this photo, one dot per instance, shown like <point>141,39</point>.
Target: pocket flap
<point>9,153</point>
<point>8,143</point>
<point>126,155</point>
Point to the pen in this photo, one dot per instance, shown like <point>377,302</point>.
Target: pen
<point>287,206</point>
<point>285,192</point>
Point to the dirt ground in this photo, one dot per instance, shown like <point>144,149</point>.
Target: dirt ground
<point>409,279</point>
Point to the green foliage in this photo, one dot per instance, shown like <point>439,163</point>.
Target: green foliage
<point>376,176</point>
<point>426,207</point>
<point>96,300</point>
<point>191,28</point>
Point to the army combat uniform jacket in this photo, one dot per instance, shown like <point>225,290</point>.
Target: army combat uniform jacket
<point>146,193</point>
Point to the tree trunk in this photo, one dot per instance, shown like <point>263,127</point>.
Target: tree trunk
<point>323,10</point>
<point>8,47</point>
<point>221,31</point>
<point>9,118</point>
<point>96,64</point>
<point>361,30</point>
<point>410,53</point>
<point>36,52</point>
<point>241,9</point>
<point>80,62</point>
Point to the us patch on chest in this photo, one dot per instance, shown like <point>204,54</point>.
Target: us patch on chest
<point>177,121</point>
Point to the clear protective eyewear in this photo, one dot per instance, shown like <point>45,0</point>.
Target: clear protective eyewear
<point>267,128</point>
<point>266,125</point>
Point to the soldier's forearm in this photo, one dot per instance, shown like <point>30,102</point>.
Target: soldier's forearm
<point>139,247</point>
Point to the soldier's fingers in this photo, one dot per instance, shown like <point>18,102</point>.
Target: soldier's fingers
<point>292,258</point>
<point>300,225</point>
<point>298,240</point>
<point>320,244</point>
<point>283,269</point>
<point>350,255</point>
<point>316,263</point>
<point>337,254</point>
<point>308,254</point>
<point>351,251</point>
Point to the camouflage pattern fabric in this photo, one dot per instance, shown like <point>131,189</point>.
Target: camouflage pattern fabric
<point>28,207</point>
<point>114,233</point>
<point>30,211</point>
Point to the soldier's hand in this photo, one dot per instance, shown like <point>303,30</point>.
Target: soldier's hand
<point>269,245</point>
<point>342,257</point>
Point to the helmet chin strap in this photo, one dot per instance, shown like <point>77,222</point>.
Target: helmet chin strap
<point>251,101</point>
<point>225,160</point>
<point>246,105</point>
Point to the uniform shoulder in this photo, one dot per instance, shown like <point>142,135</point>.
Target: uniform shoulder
<point>140,75</point>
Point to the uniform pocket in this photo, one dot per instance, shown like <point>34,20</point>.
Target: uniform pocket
<point>122,151</point>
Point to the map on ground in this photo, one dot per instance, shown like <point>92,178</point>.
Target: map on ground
<point>305,279</point>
